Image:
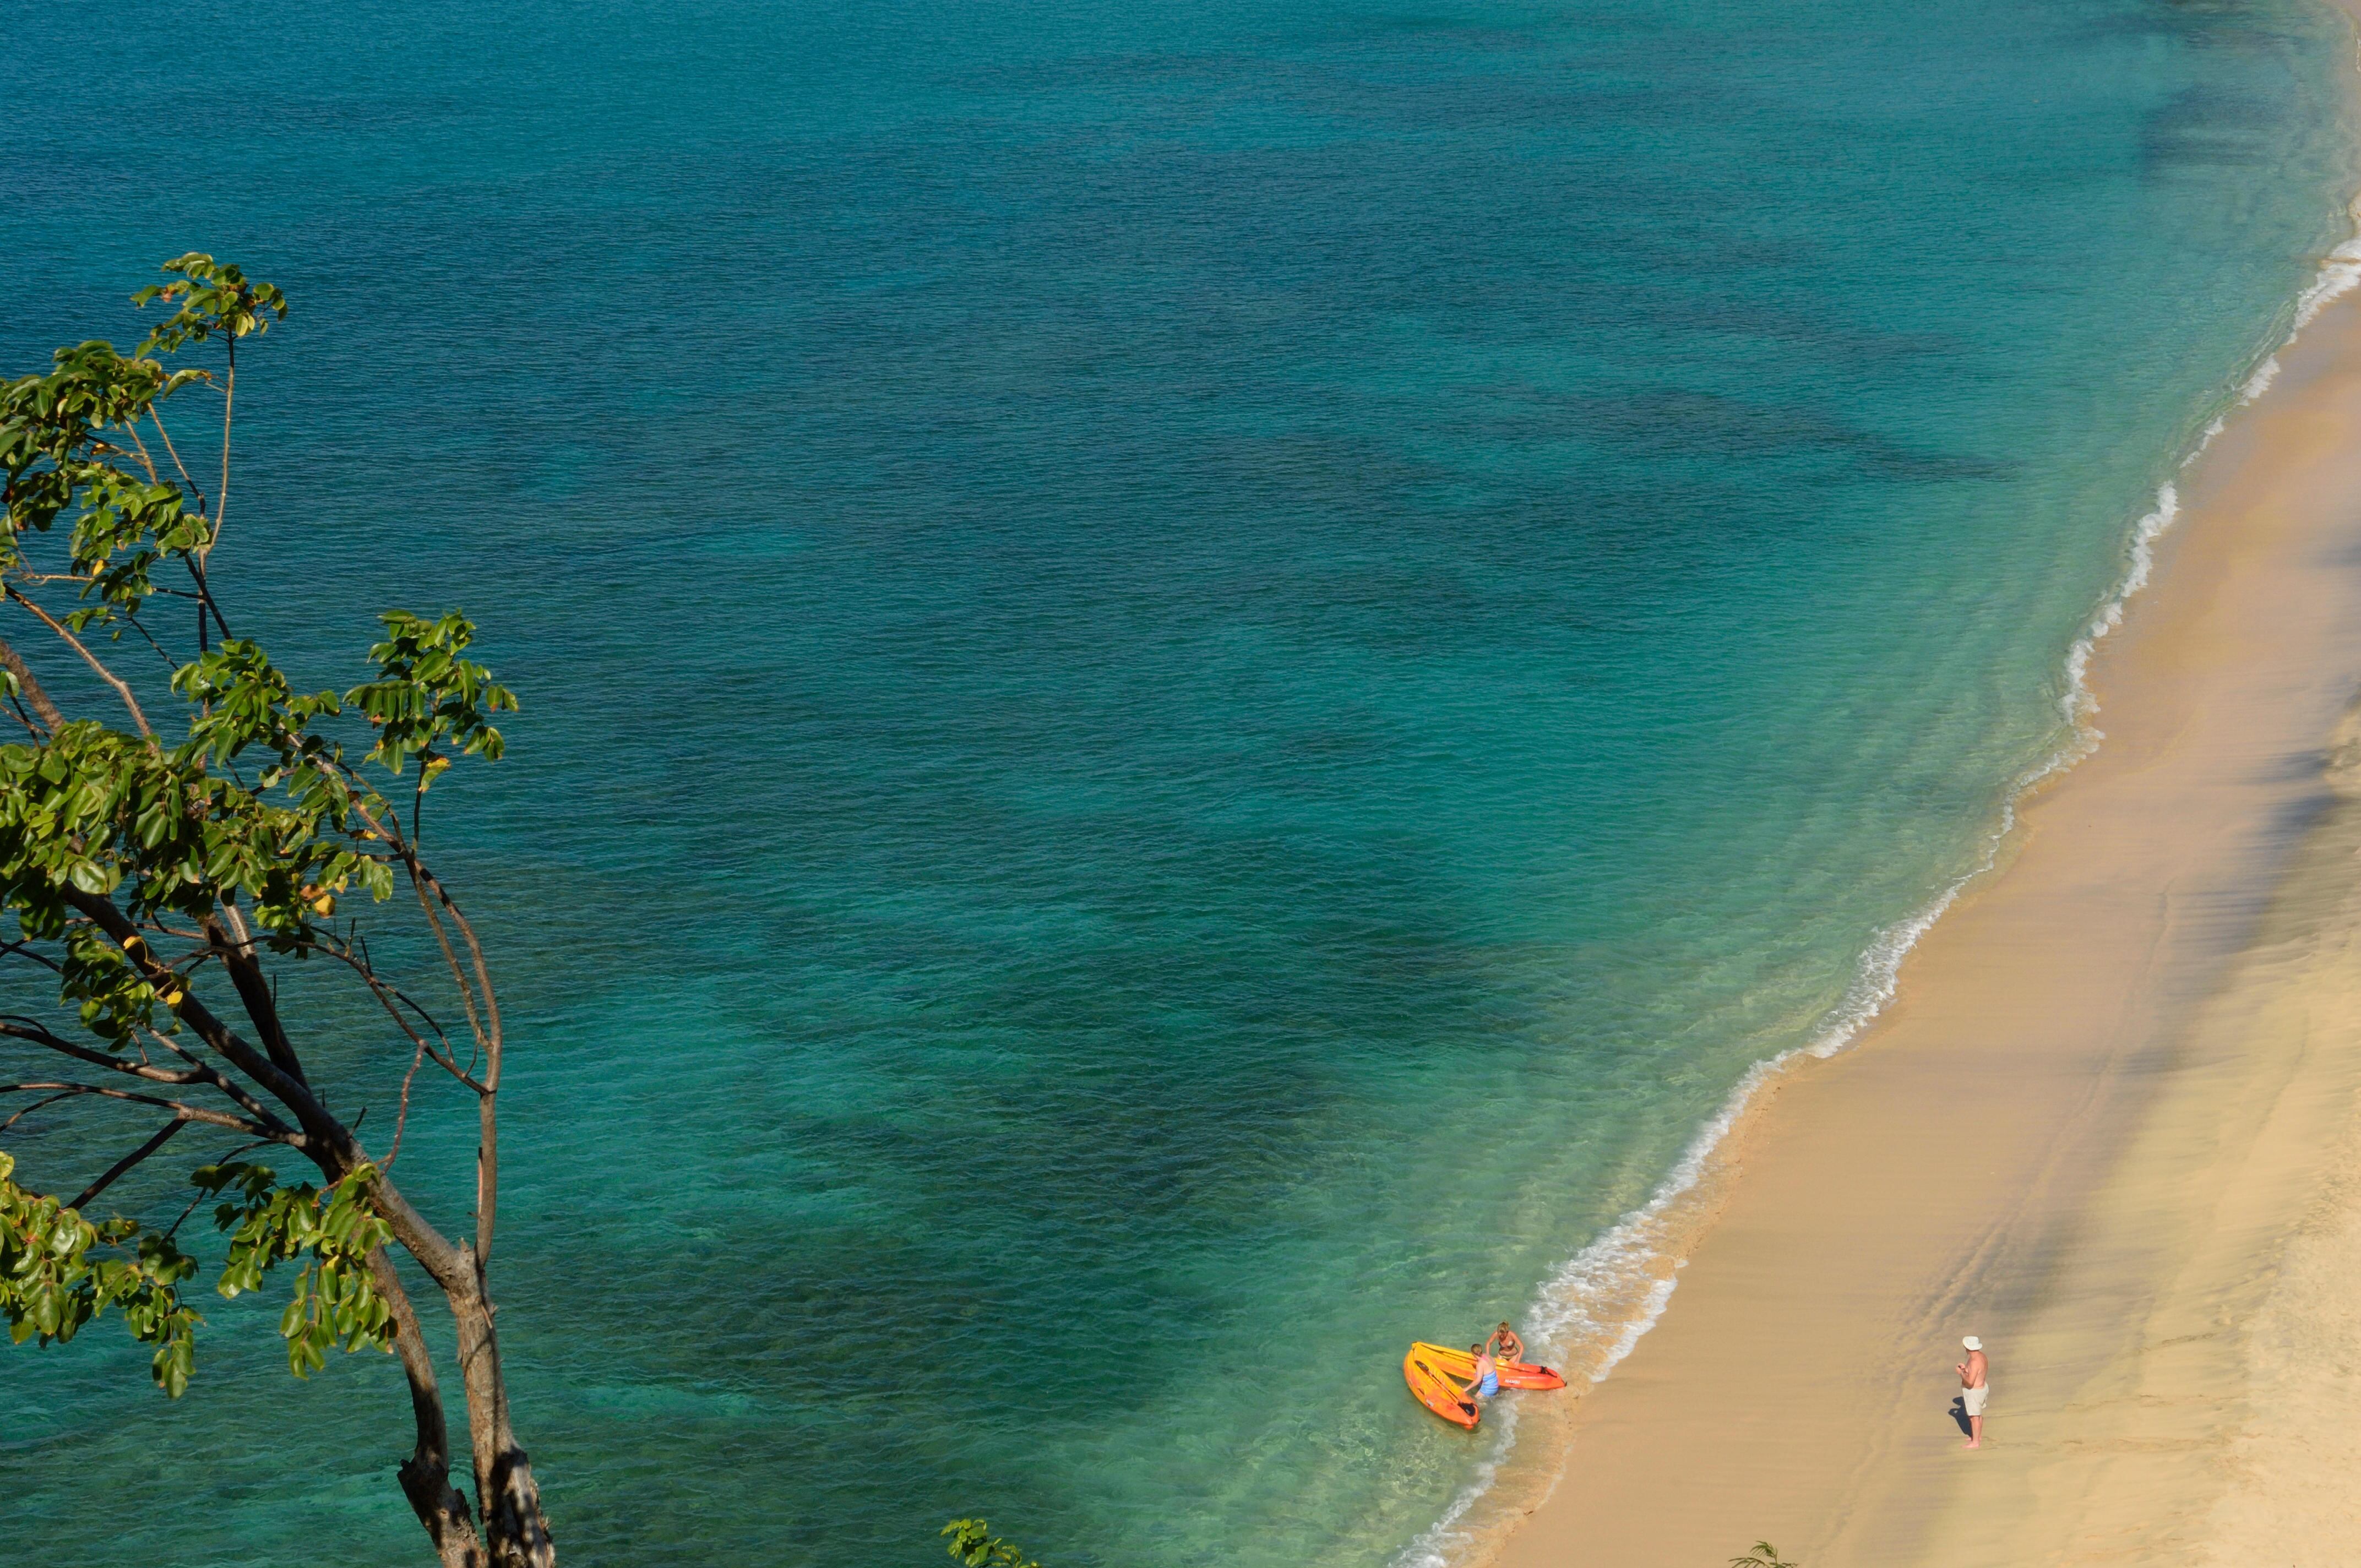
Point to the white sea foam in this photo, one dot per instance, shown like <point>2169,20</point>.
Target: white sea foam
<point>2338,274</point>
<point>1619,1282</point>
<point>1434,1545</point>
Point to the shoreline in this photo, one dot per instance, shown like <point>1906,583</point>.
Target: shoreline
<point>2217,704</point>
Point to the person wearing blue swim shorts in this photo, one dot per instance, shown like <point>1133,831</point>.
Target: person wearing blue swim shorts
<point>1487,1373</point>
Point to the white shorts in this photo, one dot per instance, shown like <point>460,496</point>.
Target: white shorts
<point>1974,1399</point>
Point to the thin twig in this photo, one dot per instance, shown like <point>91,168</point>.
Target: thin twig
<point>163,1136</point>
<point>402,1116</point>
<point>196,568</point>
<point>146,461</point>
<point>174,1229</point>
<point>15,1027</point>
<point>420,878</point>
<point>176,458</point>
<point>388,996</point>
<point>221,496</point>
<point>191,1113</point>
<point>132,620</point>
<point>30,1109</point>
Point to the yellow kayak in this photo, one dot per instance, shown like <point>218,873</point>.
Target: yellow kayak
<point>1433,1386</point>
<point>1460,1364</point>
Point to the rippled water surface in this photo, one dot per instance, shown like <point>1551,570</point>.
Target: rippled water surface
<point>1197,676</point>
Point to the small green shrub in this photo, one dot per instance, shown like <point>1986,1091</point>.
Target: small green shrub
<point>975,1546</point>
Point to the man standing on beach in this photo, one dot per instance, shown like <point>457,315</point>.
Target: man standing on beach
<point>1975,1388</point>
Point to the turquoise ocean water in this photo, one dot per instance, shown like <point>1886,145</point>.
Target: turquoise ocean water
<point>1198,677</point>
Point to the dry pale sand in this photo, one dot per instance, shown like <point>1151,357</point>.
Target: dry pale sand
<point>2109,1124</point>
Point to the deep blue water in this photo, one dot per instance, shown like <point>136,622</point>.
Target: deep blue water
<point>1197,677</point>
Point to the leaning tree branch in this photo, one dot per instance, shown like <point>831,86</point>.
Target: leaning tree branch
<point>330,1144</point>
<point>122,688</point>
<point>488,1034</point>
<point>31,689</point>
<point>31,1033</point>
<point>393,999</point>
<point>204,594</point>
<point>486,1029</point>
<point>253,988</point>
<point>132,430</point>
<point>476,962</point>
<point>185,1112</point>
<point>488,1128</point>
<point>419,883</point>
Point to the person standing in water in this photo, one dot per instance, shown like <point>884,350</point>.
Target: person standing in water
<point>1505,1344</point>
<point>1486,1380</point>
<point>1975,1388</point>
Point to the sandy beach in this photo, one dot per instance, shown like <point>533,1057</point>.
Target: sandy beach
<point>2109,1125</point>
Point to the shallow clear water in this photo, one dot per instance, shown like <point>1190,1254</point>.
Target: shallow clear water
<point>1198,677</point>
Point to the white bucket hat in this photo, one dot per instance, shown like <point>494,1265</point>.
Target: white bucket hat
<point>1972,1343</point>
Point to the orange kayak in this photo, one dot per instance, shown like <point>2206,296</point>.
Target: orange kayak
<point>1461,1366</point>
<point>1435,1390</point>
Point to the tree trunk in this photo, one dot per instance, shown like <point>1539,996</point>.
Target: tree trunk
<point>514,1528</point>
<point>426,1474</point>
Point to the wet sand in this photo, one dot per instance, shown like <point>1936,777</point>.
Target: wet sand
<point>2109,1125</point>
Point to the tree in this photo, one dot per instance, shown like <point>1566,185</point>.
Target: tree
<point>162,885</point>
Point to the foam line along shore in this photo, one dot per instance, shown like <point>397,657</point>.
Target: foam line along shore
<point>1945,1174</point>
<point>1594,1311</point>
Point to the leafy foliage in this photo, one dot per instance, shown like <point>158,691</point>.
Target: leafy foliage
<point>156,880</point>
<point>215,300</point>
<point>51,442</point>
<point>975,1546</point>
<point>1764,1555</point>
<point>58,1271</point>
<point>426,695</point>
<point>334,1299</point>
